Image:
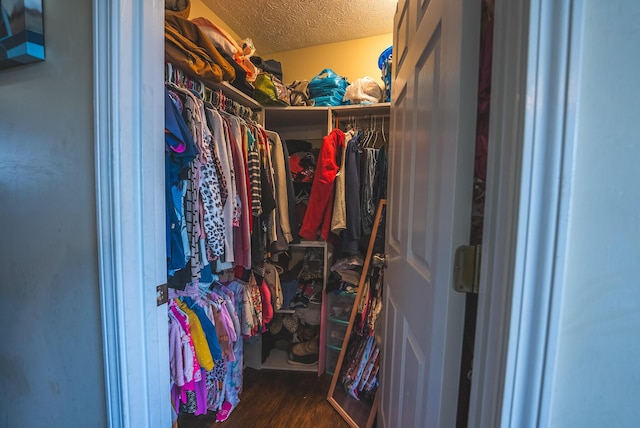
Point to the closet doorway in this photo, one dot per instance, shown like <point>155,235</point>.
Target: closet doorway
<point>117,33</point>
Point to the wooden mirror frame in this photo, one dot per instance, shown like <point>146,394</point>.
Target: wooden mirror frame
<point>346,405</point>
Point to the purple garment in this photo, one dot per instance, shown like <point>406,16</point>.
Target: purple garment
<point>201,394</point>
<point>176,360</point>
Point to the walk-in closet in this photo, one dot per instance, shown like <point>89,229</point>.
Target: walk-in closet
<point>276,201</point>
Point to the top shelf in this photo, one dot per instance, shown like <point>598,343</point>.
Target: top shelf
<point>362,109</point>
<point>305,116</point>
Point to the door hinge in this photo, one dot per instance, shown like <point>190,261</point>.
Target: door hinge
<point>162,294</point>
<point>466,268</point>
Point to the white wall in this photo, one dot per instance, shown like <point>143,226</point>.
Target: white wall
<point>597,377</point>
<point>51,371</point>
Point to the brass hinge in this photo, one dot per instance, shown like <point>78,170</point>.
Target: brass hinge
<point>162,294</point>
<point>466,269</point>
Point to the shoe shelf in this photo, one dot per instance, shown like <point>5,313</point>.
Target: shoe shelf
<point>279,360</point>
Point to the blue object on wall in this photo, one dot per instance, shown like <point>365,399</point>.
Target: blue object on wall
<point>21,32</point>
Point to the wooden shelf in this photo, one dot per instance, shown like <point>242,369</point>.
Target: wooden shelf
<point>380,109</point>
<point>237,96</point>
<point>315,244</point>
<point>278,360</point>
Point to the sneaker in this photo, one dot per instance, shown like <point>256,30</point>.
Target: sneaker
<point>298,302</point>
<point>290,323</point>
<point>276,324</point>
<point>316,299</point>
<point>309,347</point>
<point>306,360</point>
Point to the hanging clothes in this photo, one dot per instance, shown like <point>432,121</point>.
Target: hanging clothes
<point>205,322</point>
<point>320,207</point>
<point>230,202</point>
<point>351,235</point>
<point>218,165</point>
<point>180,151</point>
<point>242,245</point>
<point>339,216</point>
<point>367,204</point>
<point>283,226</point>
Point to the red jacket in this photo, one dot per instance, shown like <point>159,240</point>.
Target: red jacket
<point>320,207</point>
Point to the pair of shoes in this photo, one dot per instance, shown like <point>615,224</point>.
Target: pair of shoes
<point>224,412</point>
<point>306,360</point>
<point>309,347</point>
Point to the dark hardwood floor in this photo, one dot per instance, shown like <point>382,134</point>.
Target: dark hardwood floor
<point>277,399</point>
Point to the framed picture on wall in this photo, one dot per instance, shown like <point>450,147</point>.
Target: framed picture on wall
<point>21,32</point>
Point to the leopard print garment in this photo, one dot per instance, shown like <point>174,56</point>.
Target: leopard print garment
<point>213,212</point>
<point>208,184</point>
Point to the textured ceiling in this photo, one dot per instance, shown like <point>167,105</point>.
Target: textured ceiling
<point>280,25</point>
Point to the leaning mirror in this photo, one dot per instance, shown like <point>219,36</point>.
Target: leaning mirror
<point>353,333</point>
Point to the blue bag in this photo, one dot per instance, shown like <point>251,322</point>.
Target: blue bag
<point>327,88</point>
<point>327,100</point>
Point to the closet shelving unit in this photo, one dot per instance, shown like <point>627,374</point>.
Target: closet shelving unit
<point>312,124</point>
<point>278,359</point>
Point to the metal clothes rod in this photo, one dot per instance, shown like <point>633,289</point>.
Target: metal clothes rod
<point>174,75</point>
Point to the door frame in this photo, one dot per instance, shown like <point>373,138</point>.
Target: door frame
<point>525,207</point>
<point>531,151</point>
<point>128,64</point>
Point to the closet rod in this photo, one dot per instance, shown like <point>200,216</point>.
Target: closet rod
<point>179,78</point>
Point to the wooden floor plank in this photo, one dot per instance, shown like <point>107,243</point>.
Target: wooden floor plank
<point>277,399</point>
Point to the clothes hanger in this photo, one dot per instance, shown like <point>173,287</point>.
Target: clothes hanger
<point>369,134</point>
<point>375,132</point>
<point>168,72</point>
<point>208,95</point>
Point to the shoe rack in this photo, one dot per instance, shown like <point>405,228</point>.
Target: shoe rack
<point>278,359</point>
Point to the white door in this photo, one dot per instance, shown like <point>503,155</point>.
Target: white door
<point>430,191</point>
